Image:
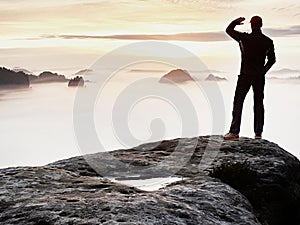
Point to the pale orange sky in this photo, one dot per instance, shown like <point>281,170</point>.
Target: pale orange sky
<point>65,36</point>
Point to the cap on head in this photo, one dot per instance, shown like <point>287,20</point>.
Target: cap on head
<point>256,22</point>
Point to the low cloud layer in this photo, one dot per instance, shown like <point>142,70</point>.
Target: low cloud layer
<point>201,37</point>
<point>284,32</point>
<point>197,37</point>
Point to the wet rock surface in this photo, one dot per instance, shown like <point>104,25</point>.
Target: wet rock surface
<point>72,192</point>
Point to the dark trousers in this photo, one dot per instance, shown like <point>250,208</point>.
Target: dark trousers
<point>243,85</point>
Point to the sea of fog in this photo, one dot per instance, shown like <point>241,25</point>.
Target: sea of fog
<point>49,122</point>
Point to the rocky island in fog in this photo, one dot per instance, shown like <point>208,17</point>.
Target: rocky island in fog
<point>12,79</point>
<point>76,82</point>
<point>177,76</point>
<point>212,77</point>
<point>17,78</point>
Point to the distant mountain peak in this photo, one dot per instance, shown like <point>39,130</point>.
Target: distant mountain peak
<point>84,72</point>
<point>212,77</point>
<point>177,76</point>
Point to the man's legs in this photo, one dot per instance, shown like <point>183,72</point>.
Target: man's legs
<point>242,88</point>
<point>258,90</point>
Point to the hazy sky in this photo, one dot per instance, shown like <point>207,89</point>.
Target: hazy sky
<point>68,35</point>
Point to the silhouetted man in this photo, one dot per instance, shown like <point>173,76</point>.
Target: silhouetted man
<point>255,48</point>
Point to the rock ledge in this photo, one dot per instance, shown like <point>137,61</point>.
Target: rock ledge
<point>71,192</point>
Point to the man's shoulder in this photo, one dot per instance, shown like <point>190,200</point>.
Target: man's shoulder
<point>267,38</point>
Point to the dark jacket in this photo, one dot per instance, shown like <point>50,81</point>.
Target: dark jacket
<point>255,48</point>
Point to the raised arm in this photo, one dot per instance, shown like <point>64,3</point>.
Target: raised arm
<point>271,59</point>
<point>236,35</point>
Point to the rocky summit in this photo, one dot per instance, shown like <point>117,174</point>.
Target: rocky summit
<point>225,182</point>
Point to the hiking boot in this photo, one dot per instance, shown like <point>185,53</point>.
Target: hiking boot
<point>231,137</point>
<point>257,136</point>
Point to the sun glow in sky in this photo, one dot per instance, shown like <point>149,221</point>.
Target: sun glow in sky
<point>65,36</point>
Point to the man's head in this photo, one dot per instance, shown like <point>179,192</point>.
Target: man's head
<point>256,22</point>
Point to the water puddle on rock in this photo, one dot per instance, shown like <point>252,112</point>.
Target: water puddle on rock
<point>151,184</point>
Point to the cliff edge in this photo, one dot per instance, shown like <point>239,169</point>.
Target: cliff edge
<point>247,182</point>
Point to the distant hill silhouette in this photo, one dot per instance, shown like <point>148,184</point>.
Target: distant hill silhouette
<point>76,82</point>
<point>285,71</point>
<point>177,76</point>
<point>19,77</point>
<point>46,77</point>
<point>212,77</point>
<point>84,72</point>
<point>12,79</point>
<point>19,69</point>
<point>284,74</point>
